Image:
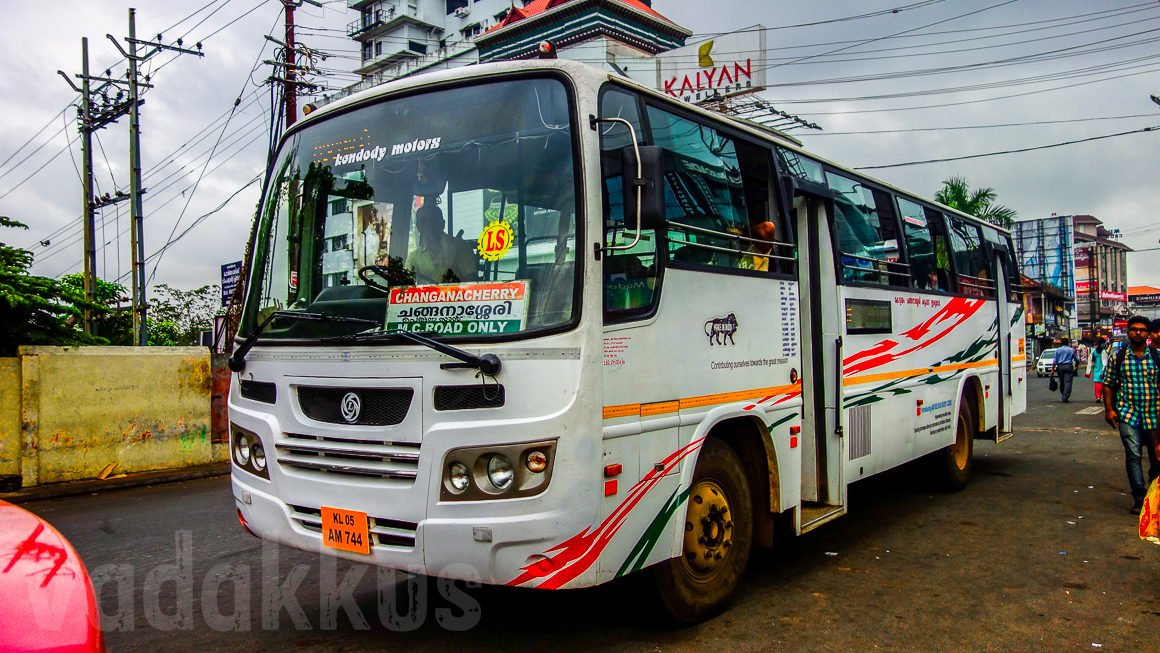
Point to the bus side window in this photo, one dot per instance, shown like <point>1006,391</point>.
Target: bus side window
<point>920,247</point>
<point>629,275</point>
<point>718,199</point>
<point>970,261</point>
<point>867,238</point>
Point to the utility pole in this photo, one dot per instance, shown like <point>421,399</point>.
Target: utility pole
<point>290,87</point>
<point>90,259</point>
<point>136,232</point>
<point>95,111</point>
<point>291,83</point>
<point>136,213</point>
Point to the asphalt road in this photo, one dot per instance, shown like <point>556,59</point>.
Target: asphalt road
<point>1037,553</point>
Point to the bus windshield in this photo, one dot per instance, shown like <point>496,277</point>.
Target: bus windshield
<point>450,213</point>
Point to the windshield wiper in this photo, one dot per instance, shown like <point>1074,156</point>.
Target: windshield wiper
<point>488,364</point>
<point>237,361</point>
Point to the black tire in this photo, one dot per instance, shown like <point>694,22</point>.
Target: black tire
<point>953,463</point>
<point>700,582</point>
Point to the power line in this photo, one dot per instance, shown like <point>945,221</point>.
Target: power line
<point>997,125</point>
<point>1002,152</point>
<point>975,101</point>
<point>906,31</point>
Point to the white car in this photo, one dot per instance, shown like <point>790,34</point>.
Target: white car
<point>1043,366</point>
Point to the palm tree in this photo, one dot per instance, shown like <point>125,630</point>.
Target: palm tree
<point>956,193</point>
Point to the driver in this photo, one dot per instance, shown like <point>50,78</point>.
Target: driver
<point>440,257</point>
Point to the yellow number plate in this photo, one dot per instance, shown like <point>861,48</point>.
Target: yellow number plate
<point>345,530</point>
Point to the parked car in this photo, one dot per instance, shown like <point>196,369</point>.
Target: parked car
<point>1043,366</point>
<point>49,604</point>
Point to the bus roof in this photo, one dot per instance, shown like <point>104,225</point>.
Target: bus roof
<point>594,76</point>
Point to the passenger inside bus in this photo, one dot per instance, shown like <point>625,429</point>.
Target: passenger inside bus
<point>440,257</point>
<point>766,231</point>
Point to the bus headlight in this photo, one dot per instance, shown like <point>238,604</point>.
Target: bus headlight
<point>242,449</point>
<point>248,453</point>
<point>500,472</point>
<point>458,476</point>
<point>504,471</point>
<point>258,457</point>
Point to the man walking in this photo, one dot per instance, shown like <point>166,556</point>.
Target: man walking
<point>1131,398</point>
<point>1063,366</point>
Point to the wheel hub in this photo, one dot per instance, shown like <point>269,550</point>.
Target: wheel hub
<point>708,528</point>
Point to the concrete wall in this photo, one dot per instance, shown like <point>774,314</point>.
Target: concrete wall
<point>9,416</point>
<point>83,408</point>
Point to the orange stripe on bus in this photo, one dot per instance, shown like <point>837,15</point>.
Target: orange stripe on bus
<point>663,407</point>
<point>918,371</point>
<point>624,410</point>
<point>659,408</point>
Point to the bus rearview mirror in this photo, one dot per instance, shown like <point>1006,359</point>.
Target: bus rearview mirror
<point>650,183</point>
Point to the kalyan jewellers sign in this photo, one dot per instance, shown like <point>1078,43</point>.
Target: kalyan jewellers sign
<point>730,64</point>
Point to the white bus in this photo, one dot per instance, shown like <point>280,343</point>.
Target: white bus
<point>457,354</point>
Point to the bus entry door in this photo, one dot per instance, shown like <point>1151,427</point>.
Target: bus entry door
<point>823,490</point>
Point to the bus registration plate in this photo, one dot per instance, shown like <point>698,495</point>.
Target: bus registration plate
<point>345,530</point>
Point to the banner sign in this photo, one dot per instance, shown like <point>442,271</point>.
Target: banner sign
<point>1147,299</point>
<point>459,309</point>
<point>1082,287</point>
<point>729,64</point>
<point>230,273</point>
<point>1112,296</point>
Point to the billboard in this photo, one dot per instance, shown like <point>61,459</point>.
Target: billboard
<point>729,64</point>
<point>1045,251</point>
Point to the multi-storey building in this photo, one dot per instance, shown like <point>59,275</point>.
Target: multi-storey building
<point>403,37</point>
<point>1083,268</point>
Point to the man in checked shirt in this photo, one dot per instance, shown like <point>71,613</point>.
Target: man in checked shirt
<point>1131,398</point>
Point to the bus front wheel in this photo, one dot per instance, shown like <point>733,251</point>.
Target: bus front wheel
<point>718,533</point>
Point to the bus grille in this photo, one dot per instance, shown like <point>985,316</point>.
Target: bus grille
<point>384,532</point>
<point>364,458</point>
<point>377,406</point>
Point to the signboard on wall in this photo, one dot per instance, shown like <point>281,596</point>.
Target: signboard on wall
<point>729,64</point>
<point>1149,299</point>
<point>230,272</point>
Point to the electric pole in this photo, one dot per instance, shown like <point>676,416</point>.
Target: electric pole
<point>90,259</point>
<point>290,87</point>
<point>95,111</point>
<point>136,232</point>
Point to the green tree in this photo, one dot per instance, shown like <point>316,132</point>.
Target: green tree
<point>189,311</point>
<point>37,310</point>
<point>115,324</point>
<point>980,202</point>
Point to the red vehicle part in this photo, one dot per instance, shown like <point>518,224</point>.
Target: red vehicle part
<point>48,602</point>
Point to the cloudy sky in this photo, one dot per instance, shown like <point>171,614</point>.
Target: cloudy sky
<point>890,82</point>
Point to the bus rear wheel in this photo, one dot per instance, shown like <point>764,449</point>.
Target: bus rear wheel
<point>954,462</point>
<point>718,534</point>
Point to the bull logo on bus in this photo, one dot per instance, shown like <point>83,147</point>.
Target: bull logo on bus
<point>720,329</point>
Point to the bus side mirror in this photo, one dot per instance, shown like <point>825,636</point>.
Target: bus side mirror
<point>650,185</point>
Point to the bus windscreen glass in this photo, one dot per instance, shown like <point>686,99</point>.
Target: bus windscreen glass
<point>450,213</point>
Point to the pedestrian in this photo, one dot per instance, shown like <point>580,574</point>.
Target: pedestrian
<point>1131,398</point>
<point>1097,361</point>
<point>1063,366</point>
<point>1154,328</point>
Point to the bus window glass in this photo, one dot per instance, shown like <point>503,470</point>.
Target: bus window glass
<point>920,247</point>
<point>630,275</point>
<point>867,241</point>
<point>717,198</point>
<point>403,214</point>
<point>970,261</point>
<point>800,166</point>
